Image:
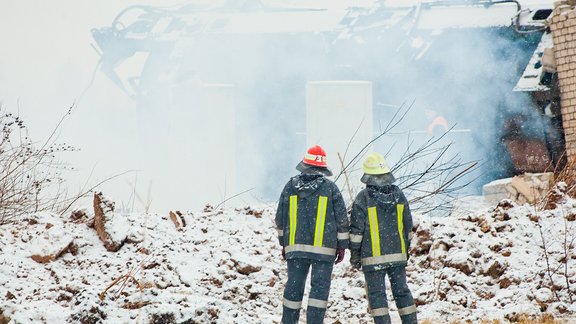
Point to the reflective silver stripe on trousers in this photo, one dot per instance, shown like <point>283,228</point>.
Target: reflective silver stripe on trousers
<point>317,303</point>
<point>311,249</point>
<point>292,304</point>
<point>384,258</point>
<point>407,310</point>
<point>355,238</point>
<point>280,232</point>
<point>379,311</point>
<point>343,236</point>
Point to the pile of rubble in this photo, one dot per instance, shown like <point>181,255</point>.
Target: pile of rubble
<point>210,266</point>
<point>526,188</point>
<point>224,266</point>
<point>510,262</point>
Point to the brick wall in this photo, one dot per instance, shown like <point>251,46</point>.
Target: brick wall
<point>563,27</point>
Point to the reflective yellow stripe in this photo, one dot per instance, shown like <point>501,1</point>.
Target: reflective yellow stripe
<point>293,218</point>
<point>400,210</point>
<point>374,233</point>
<point>320,219</point>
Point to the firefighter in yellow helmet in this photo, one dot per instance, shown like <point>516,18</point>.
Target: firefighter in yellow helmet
<point>380,233</point>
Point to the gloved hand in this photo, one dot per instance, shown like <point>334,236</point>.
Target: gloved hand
<point>355,259</point>
<point>339,255</point>
<point>283,254</point>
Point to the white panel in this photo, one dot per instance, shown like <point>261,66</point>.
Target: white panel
<point>339,118</point>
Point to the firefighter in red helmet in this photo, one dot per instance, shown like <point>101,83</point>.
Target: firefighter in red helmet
<point>312,226</point>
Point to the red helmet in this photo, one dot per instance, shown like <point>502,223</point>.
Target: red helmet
<point>315,156</point>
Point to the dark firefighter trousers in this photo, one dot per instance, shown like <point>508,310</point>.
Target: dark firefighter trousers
<point>294,290</point>
<point>376,288</point>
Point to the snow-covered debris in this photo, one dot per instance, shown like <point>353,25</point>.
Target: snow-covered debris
<point>110,226</point>
<point>225,266</point>
<point>48,238</point>
<point>493,264</point>
<point>177,219</point>
<point>525,188</point>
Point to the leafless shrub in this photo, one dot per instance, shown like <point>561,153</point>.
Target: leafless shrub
<point>565,238</point>
<point>30,172</point>
<point>531,319</point>
<point>429,175</point>
<point>565,173</point>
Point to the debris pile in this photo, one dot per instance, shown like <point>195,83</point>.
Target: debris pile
<point>506,263</point>
<point>225,266</point>
<point>525,188</point>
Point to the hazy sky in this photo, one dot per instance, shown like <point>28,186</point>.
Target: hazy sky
<point>46,59</point>
<point>47,62</point>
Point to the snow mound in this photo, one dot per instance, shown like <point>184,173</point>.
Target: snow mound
<point>491,263</point>
<point>221,267</point>
<point>224,266</point>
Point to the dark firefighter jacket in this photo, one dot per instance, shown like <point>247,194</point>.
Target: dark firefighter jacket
<point>381,227</point>
<point>311,218</point>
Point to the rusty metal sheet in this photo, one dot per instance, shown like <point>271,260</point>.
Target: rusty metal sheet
<point>529,155</point>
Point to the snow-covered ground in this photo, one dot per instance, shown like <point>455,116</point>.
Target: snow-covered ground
<point>224,266</point>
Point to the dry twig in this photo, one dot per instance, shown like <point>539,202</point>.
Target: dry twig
<point>429,176</point>
<point>347,182</point>
<point>123,280</point>
<point>30,173</point>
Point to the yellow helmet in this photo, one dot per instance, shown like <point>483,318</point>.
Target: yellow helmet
<point>375,164</point>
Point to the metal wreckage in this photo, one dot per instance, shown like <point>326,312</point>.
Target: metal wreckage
<point>478,63</point>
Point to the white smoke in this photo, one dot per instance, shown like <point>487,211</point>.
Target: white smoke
<point>47,62</point>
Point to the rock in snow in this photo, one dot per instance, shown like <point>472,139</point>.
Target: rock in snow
<point>109,226</point>
<point>225,266</point>
<point>49,238</point>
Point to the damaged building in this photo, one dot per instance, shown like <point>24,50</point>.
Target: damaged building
<point>550,80</point>
<point>499,72</point>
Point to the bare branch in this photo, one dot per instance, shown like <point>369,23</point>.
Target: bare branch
<point>89,190</point>
<point>234,196</point>
<point>427,172</point>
